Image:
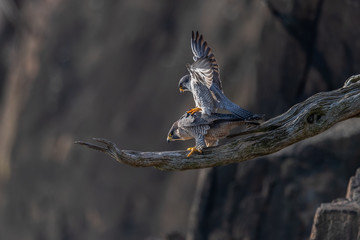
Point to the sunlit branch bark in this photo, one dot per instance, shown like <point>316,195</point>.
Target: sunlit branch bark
<point>306,119</point>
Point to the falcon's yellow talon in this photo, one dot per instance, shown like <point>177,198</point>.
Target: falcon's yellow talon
<point>194,110</point>
<point>192,150</point>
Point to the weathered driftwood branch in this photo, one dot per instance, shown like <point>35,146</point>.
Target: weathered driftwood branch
<point>306,119</point>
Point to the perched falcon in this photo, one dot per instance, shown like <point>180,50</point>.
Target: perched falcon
<point>206,129</point>
<point>205,84</point>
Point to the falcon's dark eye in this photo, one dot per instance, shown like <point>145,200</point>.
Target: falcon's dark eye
<point>171,133</point>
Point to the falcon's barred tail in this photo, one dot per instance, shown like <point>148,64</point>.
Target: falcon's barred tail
<point>240,112</point>
<point>227,104</point>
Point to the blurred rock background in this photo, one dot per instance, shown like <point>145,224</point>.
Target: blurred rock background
<point>72,70</point>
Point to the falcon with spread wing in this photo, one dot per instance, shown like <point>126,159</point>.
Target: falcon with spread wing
<point>207,130</point>
<point>203,81</point>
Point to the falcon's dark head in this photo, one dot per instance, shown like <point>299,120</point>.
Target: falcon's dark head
<point>174,132</point>
<point>184,83</point>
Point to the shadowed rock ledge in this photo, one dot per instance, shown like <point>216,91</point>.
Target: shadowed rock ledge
<point>340,219</point>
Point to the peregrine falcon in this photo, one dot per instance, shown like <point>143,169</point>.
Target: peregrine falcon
<point>205,84</point>
<point>206,129</point>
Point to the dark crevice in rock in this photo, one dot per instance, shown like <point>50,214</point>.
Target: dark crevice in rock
<point>305,32</point>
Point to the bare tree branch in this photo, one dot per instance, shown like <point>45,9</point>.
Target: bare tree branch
<point>306,119</point>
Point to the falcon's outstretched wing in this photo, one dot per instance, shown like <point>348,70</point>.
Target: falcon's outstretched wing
<point>205,63</point>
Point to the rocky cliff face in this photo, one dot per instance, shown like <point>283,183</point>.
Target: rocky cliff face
<point>341,218</point>
<point>286,188</point>
<point>297,53</point>
<point>76,69</point>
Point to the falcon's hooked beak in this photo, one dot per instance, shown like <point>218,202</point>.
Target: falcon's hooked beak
<point>181,89</point>
<point>169,138</point>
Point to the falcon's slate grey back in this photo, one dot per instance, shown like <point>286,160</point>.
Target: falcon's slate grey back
<point>205,84</point>
<point>207,130</point>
